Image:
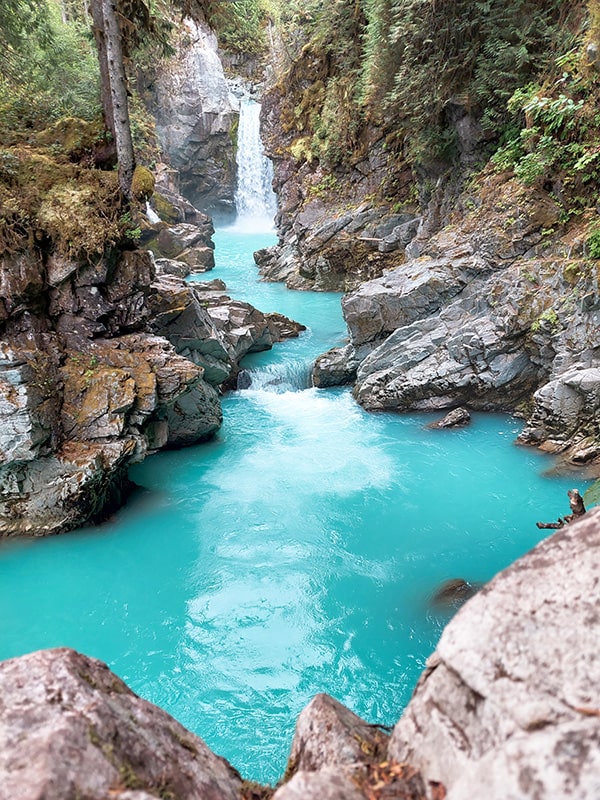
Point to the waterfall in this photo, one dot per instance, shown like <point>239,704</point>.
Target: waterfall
<point>255,201</point>
<point>288,376</point>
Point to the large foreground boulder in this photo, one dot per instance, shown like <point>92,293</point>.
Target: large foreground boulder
<point>70,729</point>
<point>509,705</point>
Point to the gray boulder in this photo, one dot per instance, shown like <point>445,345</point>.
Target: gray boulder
<point>70,729</point>
<point>328,733</point>
<point>566,412</point>
<point>336,367</point>
<point>507,707</point>
<point>457,418</point>
<point>410,292</point>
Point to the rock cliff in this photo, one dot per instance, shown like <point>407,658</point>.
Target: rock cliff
<point>196,118</point>
<point>485,313</point>
<point>507,708</point>
<point>103,358</point>
<point>336,228</point>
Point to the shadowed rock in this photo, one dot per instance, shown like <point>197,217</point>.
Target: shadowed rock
<point>453,593</point>
<point>457,418</point>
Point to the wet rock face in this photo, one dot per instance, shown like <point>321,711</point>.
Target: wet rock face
<point>508,705</point>
<point>195,118</point>
<point>69,728</point>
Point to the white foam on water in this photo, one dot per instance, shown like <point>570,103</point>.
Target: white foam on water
<point>316,444</point>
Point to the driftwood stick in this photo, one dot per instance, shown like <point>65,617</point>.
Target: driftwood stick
<point>577,507</point>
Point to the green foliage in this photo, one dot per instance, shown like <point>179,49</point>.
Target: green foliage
<point>548,320</point>
<point>554,132</point>
<point>48,77</point>
<point>420,54</point>
<point>20,22</point>
<point>591,496</point>
<point>405,64</point>
<point>240,24</point>
<point>593,244</point>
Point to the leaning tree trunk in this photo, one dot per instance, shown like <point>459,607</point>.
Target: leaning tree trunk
<point>105,11</point>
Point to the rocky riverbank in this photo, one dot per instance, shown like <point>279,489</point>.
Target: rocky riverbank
<point>507,707</point>
<point>107,355</point>
<point>497,311</point>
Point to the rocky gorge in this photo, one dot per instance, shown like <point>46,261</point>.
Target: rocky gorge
<point>457,294</point>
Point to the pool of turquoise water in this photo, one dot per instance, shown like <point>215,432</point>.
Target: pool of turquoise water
<point>293,554</point>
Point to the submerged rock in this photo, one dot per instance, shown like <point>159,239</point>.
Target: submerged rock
<point>457,418</point>
<point>453,593</point>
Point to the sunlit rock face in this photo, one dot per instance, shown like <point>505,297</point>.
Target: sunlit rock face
<point>195,118</point>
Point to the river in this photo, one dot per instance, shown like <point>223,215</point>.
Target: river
<point>293,554</point>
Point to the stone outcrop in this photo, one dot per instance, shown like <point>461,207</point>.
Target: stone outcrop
<point>207,326</point>
<point>196,117</point>
<point>508,704</point>
<point>325,250</point>
<point>69,728</point>
<point>484,316</point>
<point>183,249</point>
<point>337,227</point>
<point>101,363</point>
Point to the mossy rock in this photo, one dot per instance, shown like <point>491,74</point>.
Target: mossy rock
<point>73,210</point>
<point>165,210</point>
<point>72,136</point>
<point>142,185</point>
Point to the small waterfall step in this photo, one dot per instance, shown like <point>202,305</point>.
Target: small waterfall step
<point>290,376</point>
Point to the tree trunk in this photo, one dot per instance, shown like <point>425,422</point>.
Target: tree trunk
<point>114,87</point>
<point>98,29</point>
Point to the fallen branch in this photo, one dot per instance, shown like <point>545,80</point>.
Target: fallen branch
<point>577,507</point>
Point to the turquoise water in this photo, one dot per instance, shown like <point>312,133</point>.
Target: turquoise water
<point>293,554</point>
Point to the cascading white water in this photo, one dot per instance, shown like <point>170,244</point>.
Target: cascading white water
<point>255,201</point>
<point>288,376</point>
